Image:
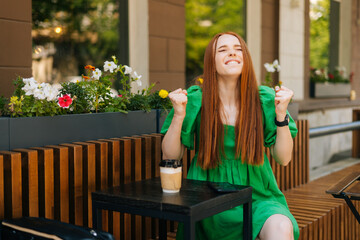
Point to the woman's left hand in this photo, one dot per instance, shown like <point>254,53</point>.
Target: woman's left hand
<point>283,97</point>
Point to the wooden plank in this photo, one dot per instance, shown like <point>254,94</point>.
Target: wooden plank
<point>89,178</point>
<point>2,200</point>
<point>306,139</point>
<point>125,163</point>
<point>344,183</point>
<point>75,184</point>
<point>61,182</point>
<point>12,184</point>
<point>114,180</point>
<point>46,182</point>
<point>146,174</point>
<point>30,197</point>
<point>155,153</point>
<point>101,161</point>
<point>138,172</point>
<point>356,135</point>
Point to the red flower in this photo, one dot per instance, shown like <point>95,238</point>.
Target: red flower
<point>119,95</point>
<point>65,101</point>
<point>331,76</point>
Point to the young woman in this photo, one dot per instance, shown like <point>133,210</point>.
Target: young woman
<point>232,120</point>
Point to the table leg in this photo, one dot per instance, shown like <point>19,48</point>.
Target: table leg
<point>96,217</point>
<point>247,227</point>
<point>162,229</point>
<point>189,229</point>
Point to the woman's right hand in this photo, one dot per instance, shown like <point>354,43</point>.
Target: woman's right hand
<point>179,100</point>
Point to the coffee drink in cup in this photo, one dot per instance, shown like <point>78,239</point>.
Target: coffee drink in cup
<point>170,175</point>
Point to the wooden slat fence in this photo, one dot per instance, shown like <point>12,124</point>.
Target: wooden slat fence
<point>56,181</point>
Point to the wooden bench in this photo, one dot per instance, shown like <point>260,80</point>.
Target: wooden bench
<point>56,182</point>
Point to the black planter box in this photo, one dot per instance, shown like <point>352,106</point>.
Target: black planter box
<point>4,133</point>
<point>41,131</point>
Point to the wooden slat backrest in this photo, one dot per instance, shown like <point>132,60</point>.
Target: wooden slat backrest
<point>12,184</point>
<point>89,178</point>
<point>75,183</point>
<point>30,195</point>
<point>153,148</point>
<point>61,182</point>
<point>101,162</point>
<point>46,182</point>
<point>125,177</point>
<point>297,171</point>
<point>113,180</point>
<point>130,167</point>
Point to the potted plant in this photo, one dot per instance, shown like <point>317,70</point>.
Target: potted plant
<point>325,84</point>
<point>41,114</point>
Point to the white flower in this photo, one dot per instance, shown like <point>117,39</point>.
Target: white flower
<point>128,70</point>
<point>39,94</point>
<point>30,87</point>
<point>113,93</point>
<point>269,67</point>
<point>50,92</point>
<point>318,72</point>
<point>109,66</point>
<point>96,74</point>
<point>135,75</point>
<point>275,63</point>
<point>29,80</point>
<point>139,83</point>
<point>273,66</point>
<point>278,68</point>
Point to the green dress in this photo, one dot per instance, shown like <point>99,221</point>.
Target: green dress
<point>267,198</point>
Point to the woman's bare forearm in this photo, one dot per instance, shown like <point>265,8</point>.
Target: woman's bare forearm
<point>171,146</point>
<point>282,149</point>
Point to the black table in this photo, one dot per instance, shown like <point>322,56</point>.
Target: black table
<point>194,202</point>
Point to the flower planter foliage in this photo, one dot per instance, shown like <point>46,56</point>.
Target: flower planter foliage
<point>329,90</point>
<point>93,94</point>
<point>39,114</point>
<point>334,84</point>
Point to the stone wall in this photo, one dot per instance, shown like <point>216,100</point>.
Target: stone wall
<point>167,43</point>
<point>15,43</point>
<point>323,148</point>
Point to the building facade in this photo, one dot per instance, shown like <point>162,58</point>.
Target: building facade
<point>275,29</point>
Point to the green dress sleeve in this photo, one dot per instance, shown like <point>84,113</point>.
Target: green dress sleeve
<point>267,96</point>
<point>193,107</point>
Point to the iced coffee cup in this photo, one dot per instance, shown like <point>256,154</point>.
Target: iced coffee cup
<point>170,175</point>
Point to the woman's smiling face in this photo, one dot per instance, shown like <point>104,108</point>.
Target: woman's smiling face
<point>228,56</point>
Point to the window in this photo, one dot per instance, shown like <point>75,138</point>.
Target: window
<point>67,35</point>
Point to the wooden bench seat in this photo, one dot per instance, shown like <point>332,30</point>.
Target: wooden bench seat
<point>331,217</point>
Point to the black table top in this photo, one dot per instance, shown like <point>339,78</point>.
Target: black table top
<point>193,198</point>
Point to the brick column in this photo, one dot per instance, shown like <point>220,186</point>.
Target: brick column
<point>15,43</point>
<point>167,43</point>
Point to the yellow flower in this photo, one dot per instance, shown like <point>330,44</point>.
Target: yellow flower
<point>280,83</point>
<point>201,80</point>
<point>163,93</point>
<point>14,99</point>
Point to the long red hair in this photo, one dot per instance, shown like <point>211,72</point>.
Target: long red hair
<point>248,128</point>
